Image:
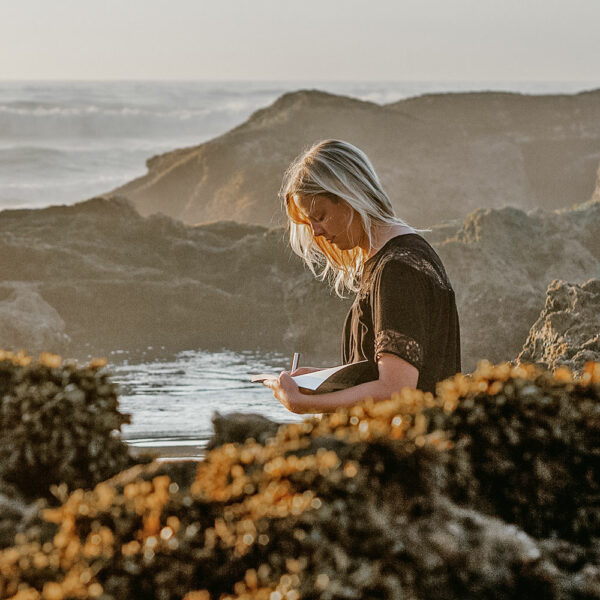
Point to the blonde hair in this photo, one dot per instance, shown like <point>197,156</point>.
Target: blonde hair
<point>340,171</point>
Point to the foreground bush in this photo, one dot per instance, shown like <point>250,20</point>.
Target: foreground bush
<point>58,423</point>
<point>489,490</point>
<point>526,448</point>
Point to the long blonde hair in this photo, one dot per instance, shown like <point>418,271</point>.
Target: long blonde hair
<point>341,171</point>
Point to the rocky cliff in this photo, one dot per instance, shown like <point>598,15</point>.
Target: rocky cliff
<point>97,276</point>
<point>439,156</point>
<point>567,332</point>
<point>501,262</point>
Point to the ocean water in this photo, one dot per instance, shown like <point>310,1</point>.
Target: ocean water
<point>172,401</point>
<point>62,142</point>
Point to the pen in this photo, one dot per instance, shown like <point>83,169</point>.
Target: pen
<point>295,361</point>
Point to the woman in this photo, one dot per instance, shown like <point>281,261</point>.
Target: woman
<point>404,319</point>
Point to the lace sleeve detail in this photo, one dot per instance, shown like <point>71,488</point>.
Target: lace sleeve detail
<point>401,345</point>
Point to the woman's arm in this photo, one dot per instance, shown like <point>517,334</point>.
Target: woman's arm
<point>394,374</point>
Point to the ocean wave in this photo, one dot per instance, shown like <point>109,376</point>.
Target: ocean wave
<point>20,153</point>
<point>45,110</point>
<point>72,170</point>
<point>72,182</point>
<point>20,162</point>
<point>57,188</point>
<point>114,145</point>
<point>94,121</point>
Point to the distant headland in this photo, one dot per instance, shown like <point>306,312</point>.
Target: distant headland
<point>440,156</point>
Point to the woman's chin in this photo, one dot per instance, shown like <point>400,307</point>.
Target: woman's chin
<point>342,245</point>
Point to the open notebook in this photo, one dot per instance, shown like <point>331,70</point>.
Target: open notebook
<point>328,380</point>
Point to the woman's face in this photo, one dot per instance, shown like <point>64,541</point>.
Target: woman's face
<point>335,220</point>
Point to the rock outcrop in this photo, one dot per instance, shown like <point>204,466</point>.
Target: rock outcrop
<point>439,156</point>
<point>236,428</point>
<point>113,279</point>
<point>567,332</point>
<point>27,320</point>
<point>121,281</point>
<point>500,263</point>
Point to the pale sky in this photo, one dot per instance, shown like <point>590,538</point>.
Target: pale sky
<point>417,40</point>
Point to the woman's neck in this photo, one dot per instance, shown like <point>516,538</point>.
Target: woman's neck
<point>381,234</point>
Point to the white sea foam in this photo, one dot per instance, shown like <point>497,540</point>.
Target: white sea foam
<point>126,111</point>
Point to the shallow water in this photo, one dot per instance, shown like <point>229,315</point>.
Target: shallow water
<point>172,401</point>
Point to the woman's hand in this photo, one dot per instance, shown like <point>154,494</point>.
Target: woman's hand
<point>394,374</point>
<point>286,391</point>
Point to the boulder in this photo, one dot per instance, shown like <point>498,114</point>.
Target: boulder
<point>28,321</point>
<point>236,428</point>
<point>567,332</point>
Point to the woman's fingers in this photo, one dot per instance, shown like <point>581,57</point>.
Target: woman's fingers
<point>270,381</point>
<point>285,390</point>
<point>286,381</point>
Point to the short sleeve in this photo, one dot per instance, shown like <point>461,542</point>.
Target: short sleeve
<point>401,312</point>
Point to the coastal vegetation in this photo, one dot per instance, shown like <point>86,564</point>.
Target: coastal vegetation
<point>490,488</point>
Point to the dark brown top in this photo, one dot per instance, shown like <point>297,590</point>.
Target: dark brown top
<point>405,307</point>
